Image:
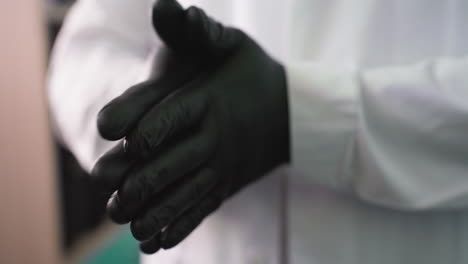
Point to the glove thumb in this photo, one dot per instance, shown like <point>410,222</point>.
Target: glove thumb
<point>192,31</point>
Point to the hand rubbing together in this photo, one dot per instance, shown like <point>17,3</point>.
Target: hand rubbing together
<point>212,118</point>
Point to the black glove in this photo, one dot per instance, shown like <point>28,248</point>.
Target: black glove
<point>212,119</point>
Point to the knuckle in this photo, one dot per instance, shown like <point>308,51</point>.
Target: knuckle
<point>139,142</point>
<point>174,118</point>
<point>134,190</point>
<point>184,112</point>
<point>165,213</point>
<point>143,187</point>
<point>161,177</point>
<point>163,127</point>
<point>155,221</point>
<point>146,141</point>
<point>149,182</point>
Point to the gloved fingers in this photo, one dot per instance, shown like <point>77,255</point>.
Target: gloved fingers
<point>156,175</point>
<point>151,245</point>
<point>169,21</point>
<point>120,115</point>
<point>191,30</point>
<point>210,36</point>
<point>180,113</point>
<point>110,170</point>
<point>171,204</point>
<point>179,229</point>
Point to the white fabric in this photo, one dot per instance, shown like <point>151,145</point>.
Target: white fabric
<point>378,94</point>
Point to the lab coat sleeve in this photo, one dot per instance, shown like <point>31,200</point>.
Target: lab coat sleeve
<point>102,50</point>
<point>393,136</point>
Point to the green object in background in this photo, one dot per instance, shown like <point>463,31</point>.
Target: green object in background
<point>121,248</point>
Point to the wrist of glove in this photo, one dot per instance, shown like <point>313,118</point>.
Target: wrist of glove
<point>212,119</point>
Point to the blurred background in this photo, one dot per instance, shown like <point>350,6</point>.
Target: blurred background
<point>50,209</point>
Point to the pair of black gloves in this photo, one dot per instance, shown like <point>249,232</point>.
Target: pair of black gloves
<point>212,118</point>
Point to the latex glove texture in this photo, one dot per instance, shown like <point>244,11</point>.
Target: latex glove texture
<point>212,119</point>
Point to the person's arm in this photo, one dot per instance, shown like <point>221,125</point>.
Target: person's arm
<point>393,136</point>
<point>101,51</point>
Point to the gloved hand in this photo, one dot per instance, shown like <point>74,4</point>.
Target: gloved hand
<point>212,119</point>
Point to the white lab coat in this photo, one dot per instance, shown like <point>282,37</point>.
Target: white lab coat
<point>378,96</point>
